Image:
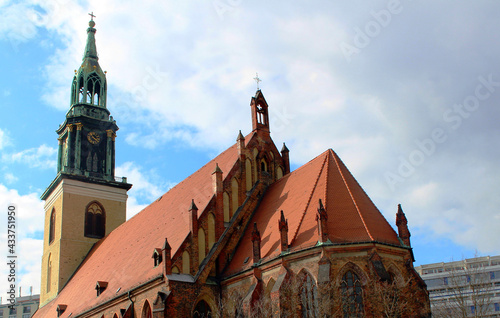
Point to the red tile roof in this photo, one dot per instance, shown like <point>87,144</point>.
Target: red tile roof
<point>123,258</point>
<point>352,216</point>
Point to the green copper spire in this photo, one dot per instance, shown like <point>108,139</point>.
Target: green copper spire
<point>89,84</point>
<point>90,48</point>
<point>87,136</point>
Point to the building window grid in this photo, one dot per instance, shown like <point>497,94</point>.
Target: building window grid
<point>442,295</point>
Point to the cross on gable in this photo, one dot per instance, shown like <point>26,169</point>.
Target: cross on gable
<point>257,79</point>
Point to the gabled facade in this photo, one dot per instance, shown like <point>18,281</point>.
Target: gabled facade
<point>243,236</point>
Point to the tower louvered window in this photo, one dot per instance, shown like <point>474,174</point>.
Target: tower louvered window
<point>93,89</point>
<point>95,221</point>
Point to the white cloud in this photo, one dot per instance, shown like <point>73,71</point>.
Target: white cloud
<point>184,72</point>
<point>4,139</point>
<point>146,186</point>
<point>10,178</point>
<point>29,222</point>
<point>194,84</point>
<point>41,157</point>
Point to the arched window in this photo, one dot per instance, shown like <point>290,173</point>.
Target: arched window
<point>93,89</point>
<point>211,230</point>
<point>81,89</point>
<point>95,161</point>
<point>146,310</point>
<point>352,295</point>
<point>95,220</point>
<point>260,112</point>
<point>225,203</point>
<point>269,288</point>
<point>49,272</point>
<point>263,166</point>
<point>279,173</point>
<point>234,196</point>
<point>52,225</point>
<point>248,174</point>
<point>308,295</point>
<point>74,92</point>
<point>186,263</point>
<point>202,310</point>
<point>201,244</point>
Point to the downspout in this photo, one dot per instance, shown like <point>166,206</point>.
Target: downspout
<point>132,305</point>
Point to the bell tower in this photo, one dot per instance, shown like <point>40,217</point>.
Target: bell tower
<point>85,201</point>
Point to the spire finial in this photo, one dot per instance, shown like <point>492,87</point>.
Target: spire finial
<point>91,22</point>
<point>257,79</point>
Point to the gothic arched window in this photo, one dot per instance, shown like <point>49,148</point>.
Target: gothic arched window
<point>95,220</point>
<point>93,89</point>
<point>146,311</point>
<point>186,266</point>
<point>81,91</point>
<point>49,272</point>
<point>202,310</point>
<point>202,251</point>
<point>74,92</point>
<point>308,295</point>
<point>52,226</point>
<point>211,230</point>
<point>352,295</point>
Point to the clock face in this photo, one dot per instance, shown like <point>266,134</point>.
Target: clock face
<point>93,137</point>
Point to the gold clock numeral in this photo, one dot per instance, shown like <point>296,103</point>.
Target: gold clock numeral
<point>93,137</point>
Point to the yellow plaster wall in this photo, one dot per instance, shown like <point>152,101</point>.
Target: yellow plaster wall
<point>52,248</point>
<point>70,246</point>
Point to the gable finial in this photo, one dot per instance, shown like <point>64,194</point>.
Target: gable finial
<point>257,79</point>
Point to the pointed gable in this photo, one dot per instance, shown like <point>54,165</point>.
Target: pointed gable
<point>352,216</point>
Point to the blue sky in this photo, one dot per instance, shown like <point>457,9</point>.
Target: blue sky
<point>406,92</point>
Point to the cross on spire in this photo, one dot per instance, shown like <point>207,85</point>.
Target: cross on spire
<point>257,79</point>
<point>92,16</point>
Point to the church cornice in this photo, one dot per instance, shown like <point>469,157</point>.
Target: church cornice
<point>297,255</point>
<point>124,296</point>
<point>62,176</point>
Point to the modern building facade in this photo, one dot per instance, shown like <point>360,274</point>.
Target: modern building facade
<point>25,307</point>
<point>242,236</point>
<point>466,288</point>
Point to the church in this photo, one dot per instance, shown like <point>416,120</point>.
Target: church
<point>241,237</point>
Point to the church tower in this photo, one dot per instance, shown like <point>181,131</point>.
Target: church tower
<point>85,202</point>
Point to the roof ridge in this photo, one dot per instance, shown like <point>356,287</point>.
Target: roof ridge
<point>327,179</point>
<point>309,200</point>
<point>352,197</point>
